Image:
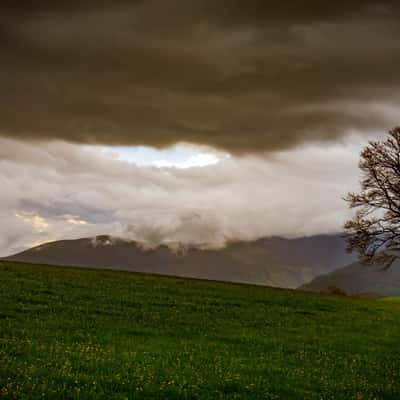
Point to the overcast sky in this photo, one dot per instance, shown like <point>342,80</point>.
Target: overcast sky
<point>275,99</point>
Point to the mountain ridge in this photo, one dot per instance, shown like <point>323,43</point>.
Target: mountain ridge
<point>273,261</point>
<point>358,279</point>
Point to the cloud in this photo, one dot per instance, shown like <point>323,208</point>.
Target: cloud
<point>59,190</point>
<point>244,76</point>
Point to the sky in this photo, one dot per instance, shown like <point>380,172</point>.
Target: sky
<point>191,123</point>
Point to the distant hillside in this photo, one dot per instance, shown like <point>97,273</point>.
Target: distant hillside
<point>271,261</point>
<point>359,279</point>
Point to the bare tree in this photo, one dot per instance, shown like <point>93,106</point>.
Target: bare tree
<point>374,231</point>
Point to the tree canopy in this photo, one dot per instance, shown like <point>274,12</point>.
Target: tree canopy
<point>374,231</point>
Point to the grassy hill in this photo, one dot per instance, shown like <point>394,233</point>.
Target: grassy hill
<point>70,333</point>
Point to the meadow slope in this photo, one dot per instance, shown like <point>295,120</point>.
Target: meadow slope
<point>71,333</point>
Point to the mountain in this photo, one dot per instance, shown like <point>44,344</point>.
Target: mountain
<point>358,279</point>
<point>271,261</point>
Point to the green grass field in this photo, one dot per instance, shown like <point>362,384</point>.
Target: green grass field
<point>69,333</point>
<point>391,299</point>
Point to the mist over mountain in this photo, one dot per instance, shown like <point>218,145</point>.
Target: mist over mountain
<point>271,261</point>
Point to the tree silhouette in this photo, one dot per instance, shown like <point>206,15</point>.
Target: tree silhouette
<point>374,231</point>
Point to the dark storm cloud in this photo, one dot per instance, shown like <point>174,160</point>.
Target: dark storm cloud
<point>241,75</point>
